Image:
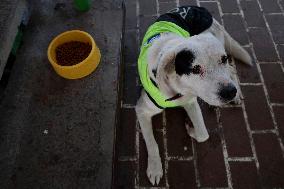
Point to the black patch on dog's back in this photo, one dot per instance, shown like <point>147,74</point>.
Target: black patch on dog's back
<point>191,18</point>
<point>183,62</point>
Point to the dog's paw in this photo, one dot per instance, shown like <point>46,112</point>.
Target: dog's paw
<point>154,170</point>
<point>198,137</point>
<point>237,100</point>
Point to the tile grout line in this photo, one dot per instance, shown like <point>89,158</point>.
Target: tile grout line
<point>232,14</point>
<point>164,132</point>
<point>221,13</point>
<point>137,145</point>
<point>265,88</point>
<point>273,13</point>
<point>197,178</point>
<point>157,8</point>
<point>198,3</point>
<point>240,159</point>
<point>224,149</point>
<point>272,39</point>
<point>207,1</point>
<point>193,144</point>
<point>278,62</point>
<point>165,149</point>
<point>264,131</point>
<point>137,180</point>
<point>243,104</point>
<point>251,84</point>
<point>279,4</point>
<point>127,106</point>
<point>251,139</point>
<point>218,114</point>
<point>179,158</point>
<point>127,158</point>
<point>277,104</point>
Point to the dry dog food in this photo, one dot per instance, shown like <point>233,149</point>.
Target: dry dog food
<point>72,53</point>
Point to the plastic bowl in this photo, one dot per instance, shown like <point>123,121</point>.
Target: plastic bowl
<point>81,69</point>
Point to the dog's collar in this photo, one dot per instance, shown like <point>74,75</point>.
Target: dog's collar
<point>178,95</point>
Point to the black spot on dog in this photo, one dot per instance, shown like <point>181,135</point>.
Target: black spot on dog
<point>183,62</point>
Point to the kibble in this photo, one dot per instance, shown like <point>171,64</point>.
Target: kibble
<point>71,53</point>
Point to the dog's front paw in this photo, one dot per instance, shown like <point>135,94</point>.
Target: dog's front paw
<point>154,170</point>
<point>237,100</point>
<point>198,137</point>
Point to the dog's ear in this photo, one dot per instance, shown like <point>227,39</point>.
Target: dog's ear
<point>183,62</point>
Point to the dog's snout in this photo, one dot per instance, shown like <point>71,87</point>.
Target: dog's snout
<point>228,92</point>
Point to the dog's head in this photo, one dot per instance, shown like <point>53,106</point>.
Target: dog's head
<point>200,67</point>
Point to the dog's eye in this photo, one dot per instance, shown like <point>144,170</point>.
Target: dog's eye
<point>224,59</point>
<point>196,69</point>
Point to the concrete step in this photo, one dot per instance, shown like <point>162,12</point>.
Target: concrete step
<point>12,13</point>
<point>58,133</point>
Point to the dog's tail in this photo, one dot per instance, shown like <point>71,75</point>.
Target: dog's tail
<point>236,50</point>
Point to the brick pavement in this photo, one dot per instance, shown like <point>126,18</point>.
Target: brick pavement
<point>245,149</point>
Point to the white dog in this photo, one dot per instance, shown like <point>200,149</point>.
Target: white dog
<point>184,56</point>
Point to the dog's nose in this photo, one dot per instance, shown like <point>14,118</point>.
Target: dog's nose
<point>228,92</point>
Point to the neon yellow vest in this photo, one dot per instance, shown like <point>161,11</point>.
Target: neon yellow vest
<point>150,88</point>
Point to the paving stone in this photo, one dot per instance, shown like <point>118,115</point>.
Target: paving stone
<point>276,24</point>
<point>247,74</point>
<point>130,89</point>
<point>130,48</point>
<point>263,45</point>
<point>244,175</point>
<point>145,22</point>
<point>235,132</point>
<point>270,159</point>
<point>143,160</point>
<point>126,131</point>
<point>178,141</point>
<point>209,116</point>
<point>253,14</point>
<point>181,174</point>
<point>274,80</point>
<point>270,6</point>
<point>157,121</point>
<point>229,6</point>
<point>130,14</point>
<point>235,26</point>
<point>281,53</point>
<point>258,118</point>
<point>281,3</point>
<point>210,162</point>
<point>165,7</point>
<point>213,9</point>
<point>187,2</point>
<point>279,112</point>
<point>162,1</point>
<point>148,7</point>
<point>125,174</point>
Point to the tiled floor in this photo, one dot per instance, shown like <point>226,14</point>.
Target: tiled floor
<point>245,149</point>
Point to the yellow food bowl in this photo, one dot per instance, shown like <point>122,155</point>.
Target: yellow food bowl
<point>81,69</point>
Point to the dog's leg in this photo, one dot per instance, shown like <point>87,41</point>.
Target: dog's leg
<point>145,109</point>
<point>199,132</point>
